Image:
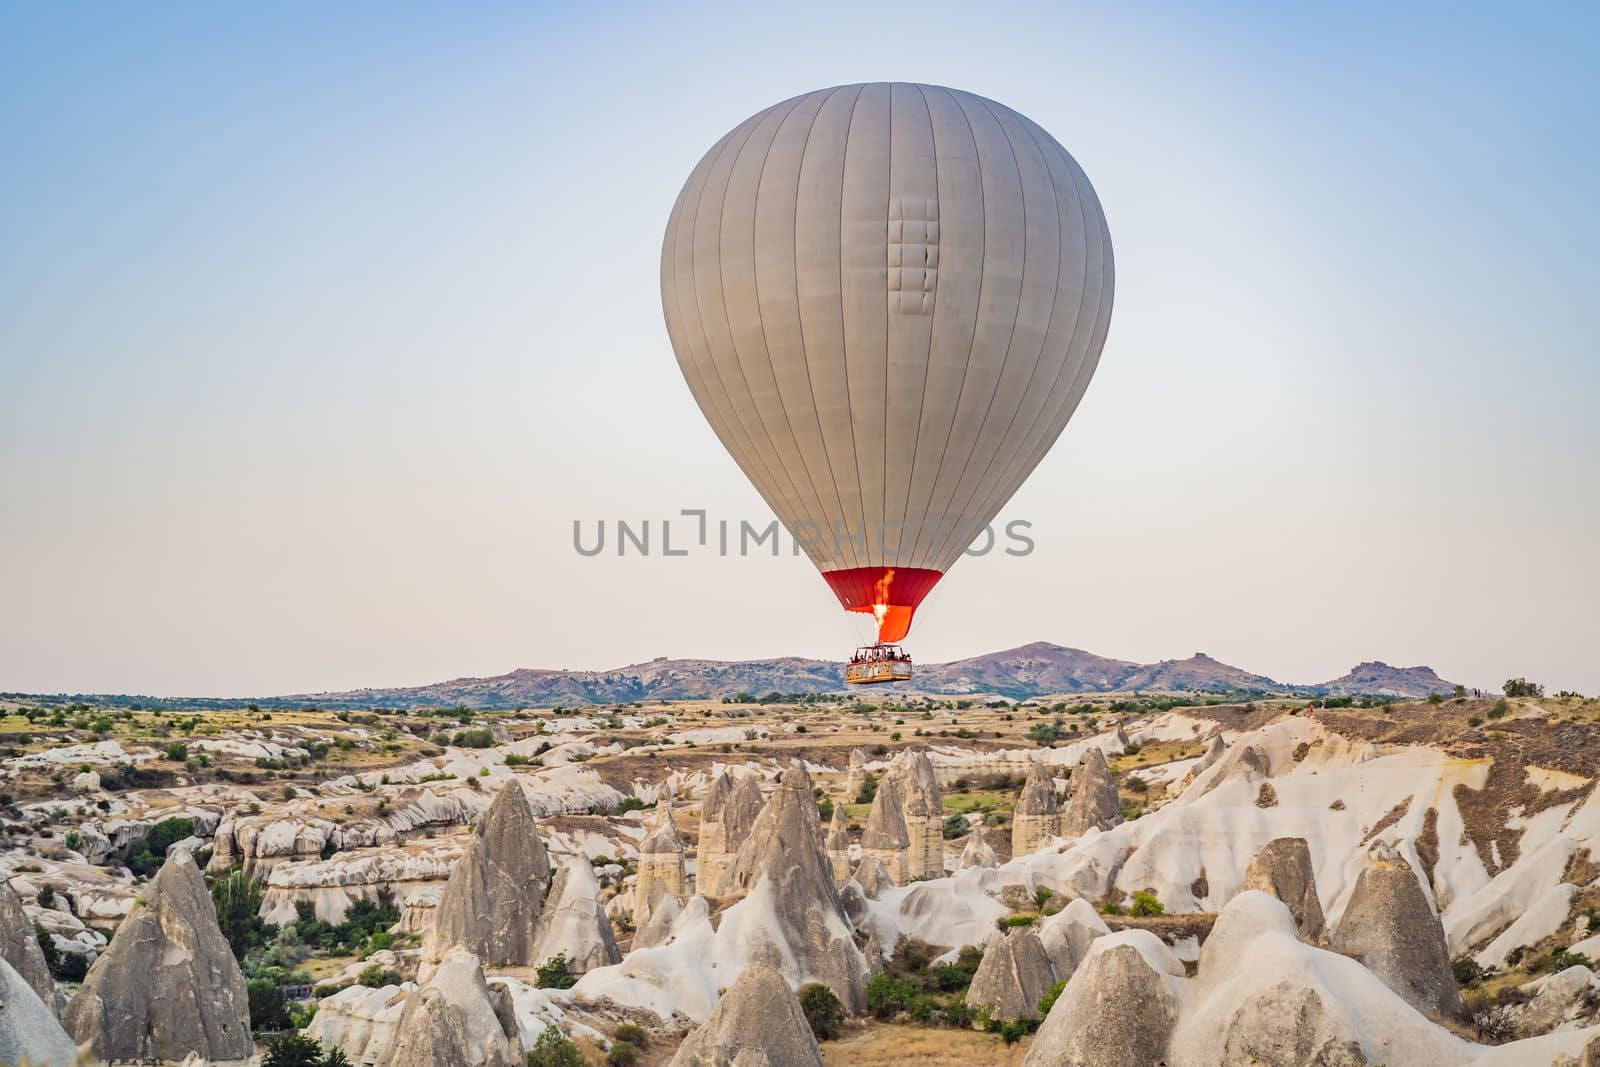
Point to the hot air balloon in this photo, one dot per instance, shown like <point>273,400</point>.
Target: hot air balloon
<point>887,300</point>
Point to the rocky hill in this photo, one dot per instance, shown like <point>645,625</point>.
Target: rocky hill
<point>1037,669</point>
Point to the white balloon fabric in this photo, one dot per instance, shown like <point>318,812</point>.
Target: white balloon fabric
<point>887,300</point>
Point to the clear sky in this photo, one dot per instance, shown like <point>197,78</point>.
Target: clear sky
<point>320,324</point>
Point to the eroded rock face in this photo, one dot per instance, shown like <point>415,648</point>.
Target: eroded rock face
<point>1283,869</point>
<point>727,815</point>
<point>655,925</point>
<point>1560,1001</point>
<point>1092,803</point>
<point>168,985</point>
<point>660,860</point>
<point>1288,1026</point>
<point>856,777</point>
<point>490,905</point>
<point>872,877</point>
<point>1014,974</point>
<point>757,1023</point>
<point>29,1032</point>
<point>573,922</point>
<point>1067,935</point>
<point>1390,927</point>
<point>360,1022</point>
<point>1038,814</point>
<point>1116,1011</point>
<point>783,852</point>
<point>922,810</point>
<point>839,845</point>
<point>885,837</point>
<point>19,946</point>
<point>456,1019</point>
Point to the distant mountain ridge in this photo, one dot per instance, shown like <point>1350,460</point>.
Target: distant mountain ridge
<point>1038,669</point>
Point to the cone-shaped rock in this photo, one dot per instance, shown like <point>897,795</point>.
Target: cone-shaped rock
<point>978,852</point>
<point>1283,869</point>
<point>1093,803</point>
<point>456,1019</point>
<point>573,922</point>
<point>1389,926</point>
<point>1014,974</point>
<point>29,1031</point>
<point>872,877</point>
<point>168,984</point>
<point>784,853</point>
<point>885,838</point>
<point>656,924</point>
<point>757,1023</point>
<point>856,778</point>
<point>660,861</point>
<point>729,811</point>
<point>1116,1011</point>
<point>1038,814</point>
<point>922,811</point>
<point>1068,933</point>
<point>19,946</point>
<point>490,905</point>
<point>839,845</point>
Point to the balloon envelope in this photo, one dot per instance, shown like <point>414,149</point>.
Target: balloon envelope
<point>887,300</point>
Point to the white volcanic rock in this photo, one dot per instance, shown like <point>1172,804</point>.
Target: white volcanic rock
<point>455,1018</point>
<point>838,844</point>
<point>885,837</point>
<point>168,984</point>
<point>1560,1001</point>
<point>872,877</point>
<point>1092,801</point>
<point>491,903</point>
<point>1067,935</point>
<point>1038,814</point>
<point>573,922</point>
<point>29,1032</point>
<point>757,1023</point>
<point>661,860</point>
<point>1013,975</point>
<point>360,1022</point>
<point>977,852</point>
<point>656,924</point>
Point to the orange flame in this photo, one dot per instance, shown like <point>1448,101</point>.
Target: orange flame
<point>880,598</point>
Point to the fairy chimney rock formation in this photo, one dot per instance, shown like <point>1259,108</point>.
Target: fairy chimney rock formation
<point>1014,974</point>
<point>729,811</point>
<point>921,808</point>
<point>490,905</point>
<point>1283,869</point>
<point>573,922</point>
<point>856,778</point>
<point>1390,927</point>
<point>1038,814</point>
<point>978,852</point>
<point>168,984</point>
<point>19,946</point>
<point>782,858</point>
<point>757,1023</point>
<point>885,838</point>
<point>839,845</point>
<point>456,1019</point>
<point>1092,803</point>
<point>660,860</point>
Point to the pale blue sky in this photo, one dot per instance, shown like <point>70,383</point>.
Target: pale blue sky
<point>299,384</point>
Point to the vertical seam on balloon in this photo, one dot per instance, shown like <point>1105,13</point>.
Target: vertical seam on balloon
<point>927,359</point>
<point>1039,449</point>
<point>844,343</point>
<point>1015,314</point>
<point>723,288</point>
<point>766,347</point>
<point>883,504</point>
<point>795,251</point>
<point>988,499</point>
<point>750,449</point>
<point>983,262</point>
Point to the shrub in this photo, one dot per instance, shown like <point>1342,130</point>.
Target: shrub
<point>269,1009</point>
<point>375,977</point>
<point>177,752</point>
<point>1474,720</point>
<point>1146,903</point>
<point>1049,999</point>
<point>515,759</point>
<point>1436,698</point>
<point>237,902</point>
<point>1521,687</point>
<point>888,996</point>
<point>632,1033</point>
<point>555,973</point>
<point>954,825</point>
<point>1020,920</point>
<point>631,804</point>
<point>1561,959</point>
<point>473,739</point>
<point>822,1010</point>
<point>622,1054</point>
<point>1467,970</point>
<point>1041,897</point>
<point>1137,785</point>
<point>1500,710</point>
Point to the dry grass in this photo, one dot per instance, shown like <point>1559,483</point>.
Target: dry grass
<point>883,1043</point>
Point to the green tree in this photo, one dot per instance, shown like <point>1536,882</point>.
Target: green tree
<point>555,973</point>
<point>822,1010</point>
<point>237,901</point>
<point>553,1049</point>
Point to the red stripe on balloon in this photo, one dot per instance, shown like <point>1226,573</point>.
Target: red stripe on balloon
<point>895,590</point>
